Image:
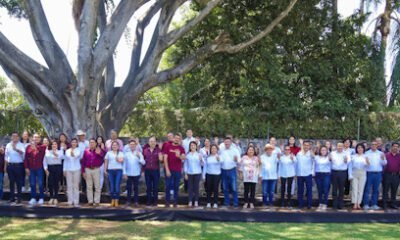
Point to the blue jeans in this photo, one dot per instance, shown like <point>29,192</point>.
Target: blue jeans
<point>115,177</point>
<point>36,175</point>
<point>230,185</point>
<point>152,178</point>
<point>323,181</point>
<point>268,188</point>
<point>373,181</point>
<point>15,174</point>
<point>172,183</point>
<point>133,183</point>
<point>307,180</point>
<point>1,184</point>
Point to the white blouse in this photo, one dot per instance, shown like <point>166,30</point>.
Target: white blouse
<point>51,159</point>
<point>72,163</point>
<point>112,160</point>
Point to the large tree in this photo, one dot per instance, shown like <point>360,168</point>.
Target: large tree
<point>65,100</point>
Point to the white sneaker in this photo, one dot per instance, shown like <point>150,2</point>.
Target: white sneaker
<point>23,189</point>
<point>215,205</point>
<point>196,204</point>
<point>190,204</point>
<point>245,205</point>
<point>208,205</point>
<point>324,206</point>
<point>251,205</point>
<point>32,201</point>
<point>41,201</point>
<point>51,201</point>
<point>76,205</point>
<point>375,207</point>
<point>55,201</point>
<point>366,207</point>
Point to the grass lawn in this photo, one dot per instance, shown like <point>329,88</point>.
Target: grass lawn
<point>14,228</point>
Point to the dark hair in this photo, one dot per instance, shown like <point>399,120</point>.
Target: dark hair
<point>227,138</point>
<point>93,139</point>
<point>51,145</point>
<point>133,140</point>
<point>74,139</point>
<point>362,145</point>
<point>22,140</point>
<point>65,135</point>
<point>101,137</point>
<point>152,136</point>
<point>254,149</point>
<point>395,143</point>
<point>327,150</point>
<point>288,141</point>
<point>348,139</point>
<point>214,145</point>
<point>14,133</point>
<point>190,144</point>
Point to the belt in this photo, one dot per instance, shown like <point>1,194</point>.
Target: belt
<point>374,171</point>
<point>92,167</point>
<point>15,164</point>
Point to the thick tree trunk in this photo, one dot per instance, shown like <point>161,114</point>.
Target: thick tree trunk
<point>66,102</point>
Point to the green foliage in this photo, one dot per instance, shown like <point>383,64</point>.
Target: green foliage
<point>302,69</point>
<point>13,7</point>
<point>15,114</point>
<point>210,122</point>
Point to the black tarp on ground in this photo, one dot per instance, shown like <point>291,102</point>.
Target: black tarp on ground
<point>171,214</point>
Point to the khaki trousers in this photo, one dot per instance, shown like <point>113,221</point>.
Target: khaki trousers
<point>73,179</point>
<point>93,178</point>
<point>358,185</point>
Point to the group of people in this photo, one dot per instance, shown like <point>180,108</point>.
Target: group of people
<point>357,166</point>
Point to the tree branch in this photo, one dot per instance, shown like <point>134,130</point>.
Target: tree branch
<point>111,35</point>
<point>238,47</point>
<point>49,48</point>
<point>176,34</point>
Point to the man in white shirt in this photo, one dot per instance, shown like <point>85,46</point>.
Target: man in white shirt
<point>189,138</point>
<point>229,158</point>
<point>377,161</point>
<point>340,160</point>
<point>14,160</point>
<point>83,144</point>
<point>277,150</point>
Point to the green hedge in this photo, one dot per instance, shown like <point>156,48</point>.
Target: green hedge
<point>218,122</point>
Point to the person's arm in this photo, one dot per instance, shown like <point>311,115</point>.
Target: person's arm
<point>383,159</point>
<point>125,166</point>
<point>141,159</point>
<point>106,164</point>
<point>83,164</point>
<point>45,164</point>
<point>166,165</point>
<point>26,164</point>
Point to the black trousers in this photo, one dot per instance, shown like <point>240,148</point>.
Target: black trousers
<point>16,177</point>
<point>390,183</point>
<point>55,176</point>
<point>212,187</point>
<point>194,187</point>
<point>289,182</point>
<point>249,192</point>
<point>338,185</point>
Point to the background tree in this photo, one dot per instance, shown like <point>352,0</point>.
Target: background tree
<point>65,101</point>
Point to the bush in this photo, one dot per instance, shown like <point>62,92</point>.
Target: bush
<point>218,122</point>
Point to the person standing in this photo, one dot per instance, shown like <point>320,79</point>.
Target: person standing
<point>33,164</point>
<point>83,144</point>
<point>322,176</point>
<point>347,148</point>
<point>277,150</point>
<point>212,174</point>
<point>133,162</point>
<point>230,157</point>
<point>189,138</point>
<point>14,156</point>
<point>25,140</point>
<point>305,165</point>
<point>391,177</point>
<point>113,167</point>
<point>192,169</point>
<point>340,161</point>
<point>287,172</point>
<point>269,174</point>
<point>152,156</point>
<point>377,161</point>
<point>114,138</point>
<point>249,171</point>
<point>358,175</point>
<point>174,155</point>
<point>63,145</point>
<point>53,168</point>
<point>92,160</point>
<point>72,171</point>
<point>101,144</point>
